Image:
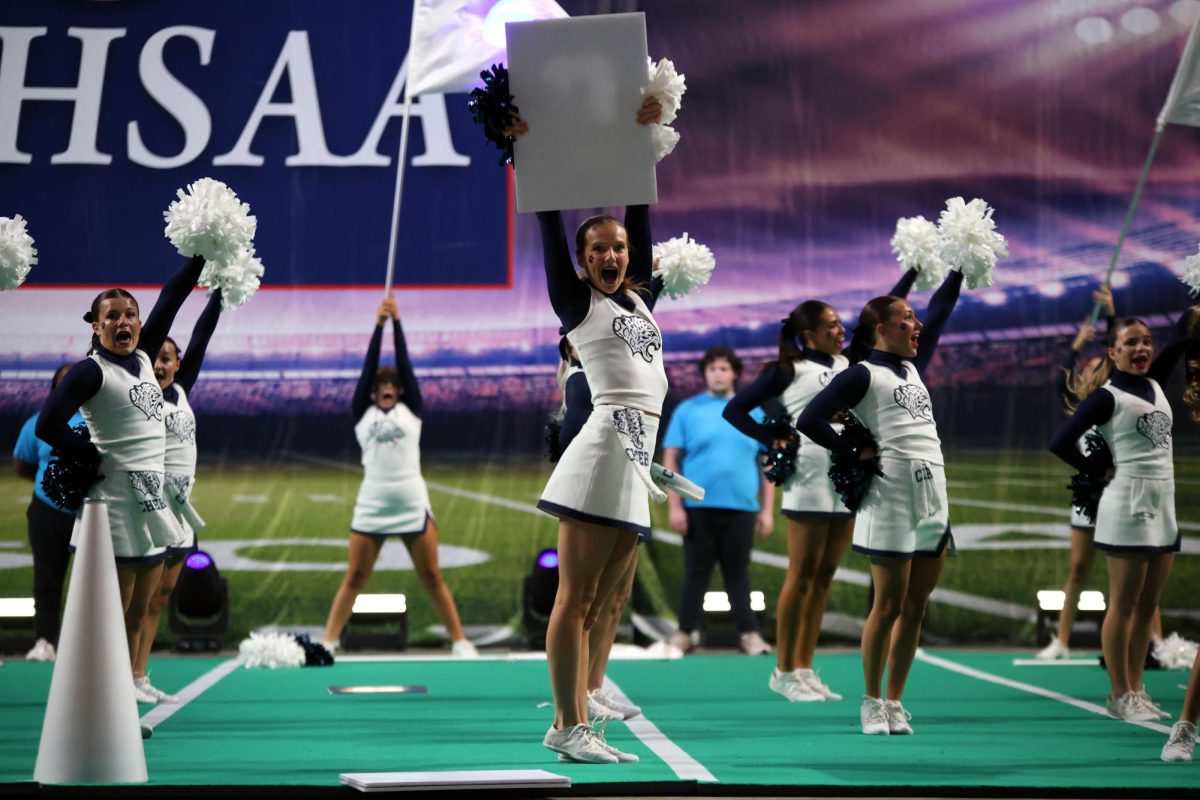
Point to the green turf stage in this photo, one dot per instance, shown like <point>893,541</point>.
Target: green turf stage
<point>282,728</point>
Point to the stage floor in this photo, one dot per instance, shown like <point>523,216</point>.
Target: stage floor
<point>983,726</point>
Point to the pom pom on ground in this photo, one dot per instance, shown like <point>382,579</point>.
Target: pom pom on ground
<point>683,264</point>
<point>208,220</point>
<point>668,86</point>
<point>915,244</point>
<point>68,476</point>
<point>779,461</point>
<point>1191,273</point>
<point>492,107</point>
<point>271,650</point>
<point>968,242</point>
<point>17,253</point>
<point>1087,486</point>
<point>851,474</point>
<point>315,653</point>
<point>1174,652</point>
<point>238,280</point>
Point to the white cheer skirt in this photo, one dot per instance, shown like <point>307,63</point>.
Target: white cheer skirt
<point>809,492</point>
<point>906,513</point>
<point>603,475</point>
<point>392,508</point>
<point>178,494</point>
<point>141,523</point>
<point>1137,515</point>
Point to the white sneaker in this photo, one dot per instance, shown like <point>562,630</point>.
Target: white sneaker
<point>621,755</point>
<point>753,644</point>
<point>1129,707</point>
<point>793,688</point>
<point>598,710</point>
<point>897,718</point>
<point>578,743</point>
<point>874,716</point>
<point>1145,700</point>
<point>143,688</point>
<point>463,649</point>
<point>682,641</point>
<point>330,646</point>
<point>1055,651</point>
<point>626,710</point>
<point>42,651</point>
<point>1181,742</point>
<point>814,682</point>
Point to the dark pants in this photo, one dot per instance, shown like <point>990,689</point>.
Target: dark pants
<point>50,540</point>
<point>717,534</point>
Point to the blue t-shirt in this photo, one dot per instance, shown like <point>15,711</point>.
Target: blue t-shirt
<point>32,450</point>
<point>715,455</point>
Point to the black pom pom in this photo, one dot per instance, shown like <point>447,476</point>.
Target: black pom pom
<point>852,475</point>
<point>69,476</point>
<point>492,107</point>
<point>780,461</point>
<point>1087,486</point>
<point>315,655</point>
<point>551,445</point>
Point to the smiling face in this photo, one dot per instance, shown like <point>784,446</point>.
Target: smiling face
<point>899,333</point>
<point>605,255</point>
<point>1133,349</point>
<point>118,325</point>
<point>166,364</point>
<point>829,336</point>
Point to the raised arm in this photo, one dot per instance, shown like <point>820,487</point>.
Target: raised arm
<point>941,305</point>
<point>158,324</point>
<point>1168,356</point>
<point>366,381</point>
<point>578,400</point>
<point>189,368</point>
<point>641,251</point>
<point>904,285</point>
<point>411,395</point>
<point>78,386</point>
<point>1096,409</point>
<point>569,296</point>
<point>846,390</point>
<point>770,383</point>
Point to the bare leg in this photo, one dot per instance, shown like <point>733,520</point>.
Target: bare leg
<point>604,632</point>
<point>806,539</point>
<point>837,539</point>
<point>906,634</point>
<point>137,582</point>
<point>363,552</point>
<point>1158,569</point>
<point>166,585</point>
<point>1082,556</point>
<point>1191,701</point>
<point>1156,630</point>
<point>423,550</point>
<point>1126,577</point>
<point>890,576</point>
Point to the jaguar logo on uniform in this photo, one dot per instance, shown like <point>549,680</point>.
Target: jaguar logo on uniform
<point>148,486</point>
<point>147,398</point>
<point>631,430</point>
<point>914,400</point>
<point>179,484</point>
<point>1156,426</point>
<point>640,334</point>
<point>183,425</point>
<point>385,431</point>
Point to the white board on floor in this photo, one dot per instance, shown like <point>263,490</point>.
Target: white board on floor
<point>578,83</point>
<point>454,779</point>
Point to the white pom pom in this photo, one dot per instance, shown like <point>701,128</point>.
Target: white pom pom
<point>17,253</point>
<point>1191,274</point>
<point>1174,652</point>
<point>683,264</point>
<point>271,650</point>
<point>208,220</point>
<point>968,242</point>
<point>238,279</point>
<point>916,247</point>
<point>668,86</point>
<point>665,138</point>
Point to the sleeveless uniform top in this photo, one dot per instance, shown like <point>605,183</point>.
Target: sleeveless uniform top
<point>810,378</point>
<point>180,423</point>
<point>622,354</point>
<point>898,411</point>
<point>125,417</point>
<point>1139,434</point>
<point>390,442</point>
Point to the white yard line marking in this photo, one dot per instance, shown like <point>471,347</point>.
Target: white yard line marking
<point>163,711</point>
<point>1056,662</point>
<point>684,766</point>
<point>1029,688</point>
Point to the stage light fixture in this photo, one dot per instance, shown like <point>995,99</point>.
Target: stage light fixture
<point>537,601</point>
<point>198,613</point>
<point>16,615</point>
<point>719,630</point>
<point>1091,608</point>
<point>385,620</point>
<point>16,608</point>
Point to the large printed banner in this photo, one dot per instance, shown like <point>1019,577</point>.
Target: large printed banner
<point>106,108</point>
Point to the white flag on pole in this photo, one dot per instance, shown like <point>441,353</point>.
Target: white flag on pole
<point>1183,100</point>
<point>452,40</point>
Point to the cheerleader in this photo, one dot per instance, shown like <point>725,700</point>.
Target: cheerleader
<point>903,524</point>
<point>600,487</point>
<point>819,524</point>
<point>1135,521</point>
<point>122,404</point>
<point>176,378</point>
<point>393,499</point>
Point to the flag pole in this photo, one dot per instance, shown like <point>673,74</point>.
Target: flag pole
<point>400,164</point>
<point>1137,195</point>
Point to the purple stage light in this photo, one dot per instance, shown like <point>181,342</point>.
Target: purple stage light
<point>548,559</point>
<point>198,560</point>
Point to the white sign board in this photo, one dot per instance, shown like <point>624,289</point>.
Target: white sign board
<point>578,83</point>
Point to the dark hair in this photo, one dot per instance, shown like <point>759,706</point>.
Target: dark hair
<point>803,318</point>
<point>875,312</point>
<point>581,242</point>
<point>386,375</point>
<point>59,374</point>
<point>175,344</point>
<point>564,349</point>
<point>93,315</point>
<point>721,353</point>
<point>1080,386</point>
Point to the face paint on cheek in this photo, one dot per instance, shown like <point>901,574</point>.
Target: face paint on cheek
<point>591,259</point>
<point>903,326</point>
